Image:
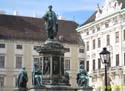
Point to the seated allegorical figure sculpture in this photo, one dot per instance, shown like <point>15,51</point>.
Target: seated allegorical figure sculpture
<point>22,80</point>
<point>37,76</point>
<point>82,77</point>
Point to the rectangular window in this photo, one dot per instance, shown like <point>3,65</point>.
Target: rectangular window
<point>98,28</point>
<point>124,58</point>
<point>94,44</point>
<point>123,18</point>
<point>87,46</point>
<point>19,47</point>
<point>117,59</point>
<point>81,50</point>
<point>106,25</point>
<point>124,34</point>
<point>67,64</point>
<point>99,42</point>
<point>1,82</point>
<point>2,61</point>
<point>94,64</point>
<point>2,45</point>
<point>36,60</point>
<point>117,37</point>
<point>68,49</point>
<point>109,64</point>
<point>115,20</point>
<point>93,31</point>
<point>87,65</point>
<point>108,39</point>
<point>87,33</point>
<point>18,62</point>
<point>99,63</point>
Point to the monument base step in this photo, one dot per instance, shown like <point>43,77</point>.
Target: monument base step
<point>60,88</point>
<point>53,88</point>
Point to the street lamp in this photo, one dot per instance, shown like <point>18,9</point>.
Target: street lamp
<point>105,56</point>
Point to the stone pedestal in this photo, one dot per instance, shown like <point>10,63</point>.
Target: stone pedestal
<point>52,65</point>
<point>52,62</point>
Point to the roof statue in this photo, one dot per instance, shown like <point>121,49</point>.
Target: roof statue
<point>109,7</point>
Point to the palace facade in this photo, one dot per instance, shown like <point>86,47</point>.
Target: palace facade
<point>105,28</point>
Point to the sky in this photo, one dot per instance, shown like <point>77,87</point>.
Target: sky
<point>74,10</point>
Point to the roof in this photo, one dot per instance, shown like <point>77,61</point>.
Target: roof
<point>90,19</point>
<point>29,28</point>
<point>93,16</point>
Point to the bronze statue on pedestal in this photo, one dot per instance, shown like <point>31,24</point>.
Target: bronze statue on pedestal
<point>51,24</point>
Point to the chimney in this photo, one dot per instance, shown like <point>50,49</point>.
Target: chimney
<point>61,18</point>
<point>15,12</point>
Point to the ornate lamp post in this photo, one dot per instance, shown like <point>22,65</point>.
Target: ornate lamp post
<point>105,56</point>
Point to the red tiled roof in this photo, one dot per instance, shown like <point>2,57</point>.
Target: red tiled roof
<point>28,28</point>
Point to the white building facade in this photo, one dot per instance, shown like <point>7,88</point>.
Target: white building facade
<point>105,28</point>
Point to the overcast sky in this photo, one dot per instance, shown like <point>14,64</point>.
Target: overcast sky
<point>77,10</point>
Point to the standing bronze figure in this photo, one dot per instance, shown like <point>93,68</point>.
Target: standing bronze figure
<point>51,24</point>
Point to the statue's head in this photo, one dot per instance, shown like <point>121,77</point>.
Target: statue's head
<point>81,66</point>
<point>50,7</point>
<point>23,68</point>
<point>36,66</point>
